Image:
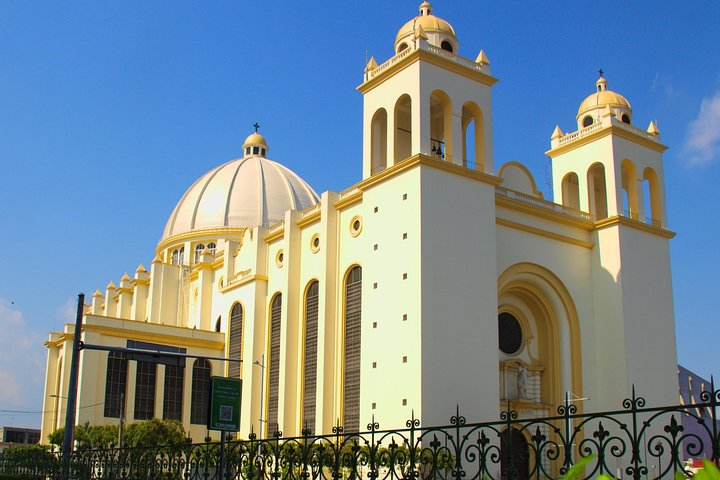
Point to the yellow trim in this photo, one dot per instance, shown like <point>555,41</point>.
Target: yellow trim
<point>251,278</point>
<point>180,339</point>
<point>355,232</point>
<point>223,232</point>
<point>313,248</point>
<point>501,201</point>
<point>543,233</point>
<point>138,281</point>
<point>271,237</point>
<point>609,130</point>
<point>432,59</point>
<point>510,282</point>
<point>525,170</point>
<point>309,220</point>
<point>349,200</point>
<point>621,220</point>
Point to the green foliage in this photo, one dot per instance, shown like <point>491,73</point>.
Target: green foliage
<point>56,437</point>
<point>708,472</point>
<point>96,436</point>
<point>154,432</point>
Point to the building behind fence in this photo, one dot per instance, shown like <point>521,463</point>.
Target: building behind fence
<point>634,441</point>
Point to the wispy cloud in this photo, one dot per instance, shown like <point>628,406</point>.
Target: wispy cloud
<point>664,84</point>
<point>702,142</point>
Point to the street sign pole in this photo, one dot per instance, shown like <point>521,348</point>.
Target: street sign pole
<point>69,434</point>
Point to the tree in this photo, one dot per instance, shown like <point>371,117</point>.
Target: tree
<point>154,432</point>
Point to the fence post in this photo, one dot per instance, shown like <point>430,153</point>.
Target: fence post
<point>458,420</point>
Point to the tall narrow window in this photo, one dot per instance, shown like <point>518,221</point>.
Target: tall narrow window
<point>145,391</point>
<point>173,398</point>
<point>351,373</point>
<point>235,350</point>
<point>200,392</point>
<point>198,252</point>
<point>274,367</point>
<point>310,372</point>
<point>115,383</point>
<point>211,247</point>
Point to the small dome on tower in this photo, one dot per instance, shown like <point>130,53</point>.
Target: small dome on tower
<point>602,102</point>
<point>439,32</point>
<point>255,144</point>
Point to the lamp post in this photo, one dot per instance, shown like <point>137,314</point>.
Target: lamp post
<point>570,397</point>
<point>261,364</point>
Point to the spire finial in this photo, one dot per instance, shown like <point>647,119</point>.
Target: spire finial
<point>257,126</point>
<point>601,72</point>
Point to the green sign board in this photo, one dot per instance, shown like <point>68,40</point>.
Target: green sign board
<point>224,404</point>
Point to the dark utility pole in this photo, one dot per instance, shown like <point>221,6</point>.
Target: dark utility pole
<point>69,437</point>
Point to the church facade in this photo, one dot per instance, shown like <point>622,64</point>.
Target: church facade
<point>439,279</point>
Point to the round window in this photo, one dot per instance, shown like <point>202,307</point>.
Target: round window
<point>509,333</point>
<point>315,243</point>
<point>356,226</point>
<point>279,258</point>
<point>587,121</point>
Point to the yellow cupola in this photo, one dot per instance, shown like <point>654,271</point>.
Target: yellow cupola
<point>601,103</point>
<point>255,144</point>
<point>438,32</point>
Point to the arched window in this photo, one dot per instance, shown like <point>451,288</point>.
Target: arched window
<point>218,324</point>
<point>115,383</point>
<point>198,251</point>
<point>651,191</point>
<point>403,46</point>
<point>378,141</point>
<point>597,192</point>
<point>629,180</point>
<point>441,126</point>
<point>175,257</point>
<point>445,45</point>
<point>312,295</point>
<point>211,247</point>
<point>181,256</point>
<point>587,121</point>
<point>351,371</point>
<point>625,118</point>
<point>473,136</point>
<point>571,191</point>
<point>235,350</point>
<point>173,397</point>
<point>274,365</point>
<point>200,392</point>
<point>145,390</point>
<point>403,128</point>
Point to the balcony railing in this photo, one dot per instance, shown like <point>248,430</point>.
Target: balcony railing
<point>539,202</point>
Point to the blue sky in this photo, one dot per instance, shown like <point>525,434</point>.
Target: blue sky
<point>110,110</point>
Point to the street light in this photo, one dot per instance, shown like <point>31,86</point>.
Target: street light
<point>570,397</point>
<point>261,364</point>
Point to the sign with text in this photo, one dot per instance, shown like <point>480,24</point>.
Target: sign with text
<point>225,404</point>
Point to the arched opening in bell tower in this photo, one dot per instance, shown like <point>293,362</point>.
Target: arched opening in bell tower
<point>473,136</point>
<point>651,194</point>
<point>628,174</point>
<point>378,141</point>
<point>571,191</point>
<point>441,125</point>
<point>597,192</point>
<point>403,128</point>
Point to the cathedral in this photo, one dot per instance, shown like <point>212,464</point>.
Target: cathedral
<point>439,279</point>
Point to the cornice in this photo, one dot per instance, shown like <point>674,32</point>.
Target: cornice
<point>604,132</point>
<point>629,222</point>
<point>543,233</point>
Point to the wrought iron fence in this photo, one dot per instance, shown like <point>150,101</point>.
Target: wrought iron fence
<point>633,442</point>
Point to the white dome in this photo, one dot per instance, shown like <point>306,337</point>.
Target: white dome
<point>245,192</point>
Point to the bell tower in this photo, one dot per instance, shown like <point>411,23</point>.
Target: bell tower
<point>609,167</point>
<point>613,170</point>
<point>427,99</point>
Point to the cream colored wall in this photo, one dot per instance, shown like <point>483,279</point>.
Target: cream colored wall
<point>459,298</point>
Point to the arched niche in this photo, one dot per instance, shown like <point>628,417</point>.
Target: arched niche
<point>629,180</point>
<point>378,141</point>
<point>551,328</point>
<point>403,128</point>
<point>571,191</point>
<point>441,125</point>
<point>473,136</point>
<point>597,190</point>
<point>651,190</point>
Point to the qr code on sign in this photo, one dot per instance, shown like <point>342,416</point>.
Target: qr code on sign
<point>226,412</point>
